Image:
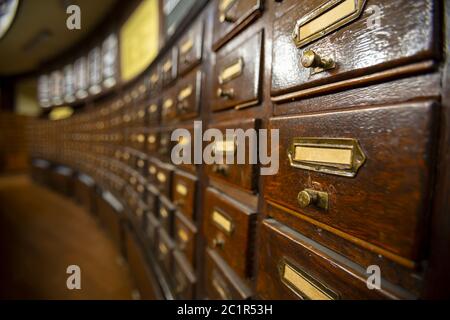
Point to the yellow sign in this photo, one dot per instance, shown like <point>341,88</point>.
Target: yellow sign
<point>139,39</point>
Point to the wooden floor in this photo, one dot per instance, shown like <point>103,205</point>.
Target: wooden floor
<point>41,234</point>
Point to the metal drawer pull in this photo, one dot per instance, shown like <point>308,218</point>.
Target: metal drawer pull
<point>225,93</point>
<point>303,284</point>
<point>312,60</point>
<point>310,197</point>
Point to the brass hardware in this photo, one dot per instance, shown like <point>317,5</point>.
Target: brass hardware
<point>225,17</point>
<point>183,236</point>
<point>168,104</point>
<point>141,138</point>
<point>163,212</point>
<point>225,94</point>
<point>152,170</point>
<point>161,177</point>
<point>153,108</point>
<point>163,249</point>
<point>167,66</point>
<point>224,146</point>
<point>221,169</point>
<point>309,197</point>
<point>140,188</point>
<point>151,139</point>
<point>304,285</point>
<point>325,19</point>
<point>185,93</point>
<point>154,78</point>
<point>218,242</point>
<point>186,46</point>
<point>337,156</point>
<point>140,163</point>
<point>232,71</point>
<point>222,221</point>
<point>312,60</point>
<point>181,189</point>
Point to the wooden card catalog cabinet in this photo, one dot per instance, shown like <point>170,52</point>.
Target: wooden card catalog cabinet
<point>81,78</point>
<point>95,71</point>
<point>110,58</point>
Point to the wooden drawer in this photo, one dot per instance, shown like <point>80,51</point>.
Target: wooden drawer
<point>237,74</point>
<point>187,145</point>
<point>185,237</point>
<point>183,276</point>
<point>406,34</point>
<point>221,282</point>
<point>231,16</point>
<point>184,192</point>
<point>164,251</point>
<point>292,266</point>
<point>365,175</point>
<point>169,105</point>
<point>169,68</point>
<point>244,176</point>
<point>189,95</point>
<point>166,214</point>
<point>164,180</point>
<point>229,228</point>
<point>153,112</point>
<point>190,48</point>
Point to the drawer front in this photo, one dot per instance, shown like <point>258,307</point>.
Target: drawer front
<point>164,180</point>
<point>169,68</point>
<point>185,236</point>
<point>190,48</point>
<point>164,251</point>
<point>293,267</point>
<point>237,75</point>
<point>229,228</point>
<point>244,176</point>
<point>184,191</point>
<point>221,283</point>
<point>303,57</point>
<point>166,215</point>
<point>351,177</point>
<point>231,16</point>
<point>154,112</point>
<point>184,278</point>
<point>169,105</point>
<point>189,95</point>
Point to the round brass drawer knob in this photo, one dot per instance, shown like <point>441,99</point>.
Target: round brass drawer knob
<point>306,198</point>
<point>310,59</point>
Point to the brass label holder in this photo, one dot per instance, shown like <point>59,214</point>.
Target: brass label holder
<point>325,19</point>
<point>232,71</point>
<point>303,284</point>
<point>336,156</point>
<point>222,221</point>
